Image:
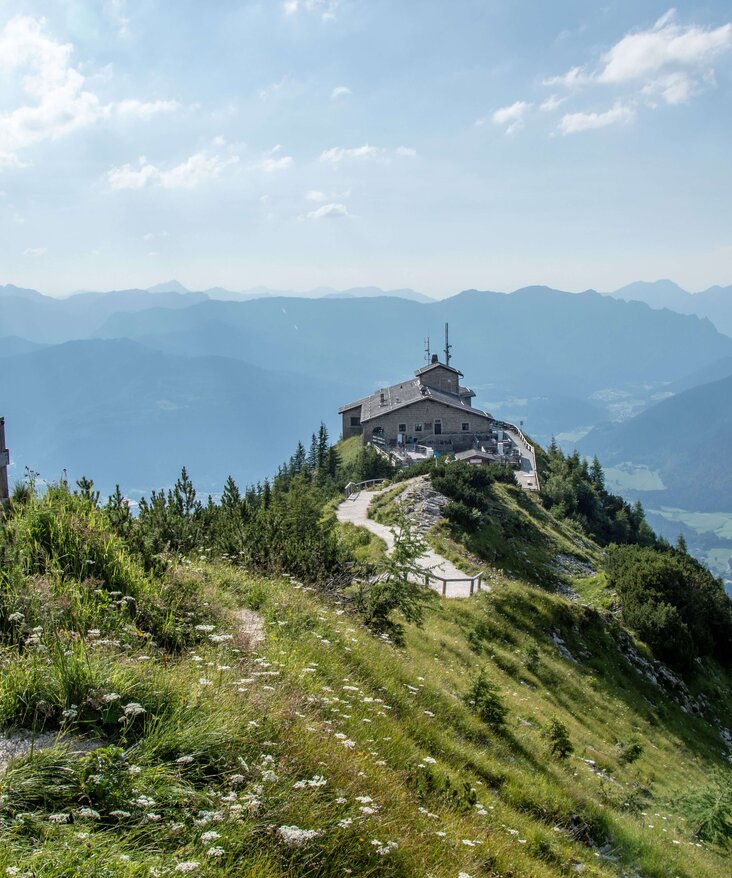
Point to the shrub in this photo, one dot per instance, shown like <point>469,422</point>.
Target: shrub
<point>484,699</point>
<point>560,745</point>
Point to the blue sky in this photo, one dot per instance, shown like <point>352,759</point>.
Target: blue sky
<point>416,143</point>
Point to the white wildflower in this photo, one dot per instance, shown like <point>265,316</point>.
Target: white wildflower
<point>89,813</point>
<point>211,835</point>
<point>317,781</point>
<point>15,617</point>
<point>144,802</point>
<point>295,837</point>
<point>237,779</point>
<point>189,866</point>
<point>110,697</point>
<point>383,849</point>
<point>205,629</point>
<point>119,813</point>
<point>59,818</point>
<point>133,709</point>
<point>429,760</point>
<point>184,760</point>
<point>215,852</point>
<point>220,638</point>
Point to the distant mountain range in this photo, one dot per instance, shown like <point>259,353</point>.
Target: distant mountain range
<point>685,439</point>
<point>174,286</point>
<point>233,383</point>
<point>714,303</point>
<point>120,412</point>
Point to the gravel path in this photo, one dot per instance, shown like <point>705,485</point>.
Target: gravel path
<point>15,744</point>
<point>355,510</point>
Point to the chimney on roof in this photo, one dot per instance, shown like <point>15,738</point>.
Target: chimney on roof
<point>435,358</point>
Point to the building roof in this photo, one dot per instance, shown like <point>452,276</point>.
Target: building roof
<point>438,365</point>
<point>472,453</point>
<point>407,393</point>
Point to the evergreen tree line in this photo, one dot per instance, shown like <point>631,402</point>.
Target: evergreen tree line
<point>575,489</point>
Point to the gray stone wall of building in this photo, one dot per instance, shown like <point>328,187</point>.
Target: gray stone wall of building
<point>424,413</point>
<point>349,428</point>
<point>441,379</point>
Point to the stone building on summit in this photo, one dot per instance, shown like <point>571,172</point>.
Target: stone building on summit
<point>433,411</point>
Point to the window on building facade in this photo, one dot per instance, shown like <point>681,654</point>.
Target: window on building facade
<point>417,428</point>
<point>428,426</point>
<point>355,421</point>
<point>466,426</point>
<point>402,428</point>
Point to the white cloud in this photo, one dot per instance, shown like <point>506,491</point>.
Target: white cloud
<point>512,116</point>
<point>340,91</point>
<point>326,9</point>
<point>329,211</point>
<point>116,13</point>
<point>195,170</point>
<point>151,236</point>
<point>669,61</point>
<point>60,105</point>
<point>275,89</point>
<point>316,195</point>
<point>571,79</point>
<point>34,251</point>
<point>145,109</point>
<point>271,164</point>
<point>337,154</point>
<point>665,45</point>
<point>552,103</point>
<point>571,123</point>
<point>57,100</point>
<point>272,161</point>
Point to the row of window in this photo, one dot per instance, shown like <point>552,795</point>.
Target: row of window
<point>427,427</point>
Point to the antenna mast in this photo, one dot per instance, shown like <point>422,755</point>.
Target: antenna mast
<point>4,462</point>
<point>427,349</point>
<point>448,346</point>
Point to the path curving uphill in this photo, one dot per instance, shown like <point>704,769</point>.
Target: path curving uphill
<point>355,510</point>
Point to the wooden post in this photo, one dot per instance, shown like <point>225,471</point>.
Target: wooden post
<point>444,587</point>
<point>4,461</point>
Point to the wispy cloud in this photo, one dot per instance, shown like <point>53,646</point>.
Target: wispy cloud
<point>59,101</point>
<point>274,161</point>
<point>195,170</point>
<point>553,102</point>
<point>326,9</point>
<point>571,123</point>
<point>338,154</point>
<point>510,118</point>
<point>145,109</point>
<point>669,61</point>
<point>34,251</point>
<point>329,211</point>
<point>340,91</point>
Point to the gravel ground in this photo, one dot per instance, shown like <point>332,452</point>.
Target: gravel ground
<point>15,744</point>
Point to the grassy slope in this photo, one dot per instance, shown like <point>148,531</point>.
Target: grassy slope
<point>228,735</point>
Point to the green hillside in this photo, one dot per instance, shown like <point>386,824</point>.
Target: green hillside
<point>183,712</point>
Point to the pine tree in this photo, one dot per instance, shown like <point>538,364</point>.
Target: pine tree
<point>597,475</point>
<point>231,498</point>
<point>86,490</point>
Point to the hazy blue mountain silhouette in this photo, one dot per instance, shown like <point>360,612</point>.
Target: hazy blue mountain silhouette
<point>714,303</point>
<point>686,438</point>
<point>118,411</point>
